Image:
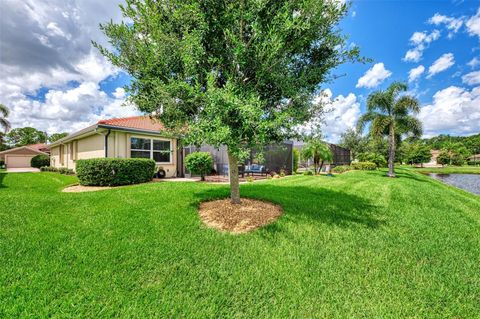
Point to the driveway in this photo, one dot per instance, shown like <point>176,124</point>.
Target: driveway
<point>23,170</point>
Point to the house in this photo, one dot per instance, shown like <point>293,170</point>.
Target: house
<point>20,157</point>
<point>433,159</point>
<point>131,137</point>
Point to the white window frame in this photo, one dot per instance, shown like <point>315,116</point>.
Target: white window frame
<point>151,147</point>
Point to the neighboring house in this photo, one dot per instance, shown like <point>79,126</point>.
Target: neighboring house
<point>20,157</point>
<point>433,159</point>
<point>475,157</point>
<point>131,137</point>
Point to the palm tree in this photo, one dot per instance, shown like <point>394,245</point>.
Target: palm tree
<point>3,118</point>
<point>318,151</point>
<point>389,114</point>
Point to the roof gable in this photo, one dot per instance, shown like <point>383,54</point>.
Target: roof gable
<point>146,123</point>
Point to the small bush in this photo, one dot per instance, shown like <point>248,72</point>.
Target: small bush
<point>272,173</point>
<point>48,169</point>
<point>66,171</point>
<point>471,163</point>
<point>250,179</point>
<point>40,160</point>
<point>269,176</point>
<point>364,166</point>
<point>199,163</point>
<point>308,173</point>
<point>341,169</point>
<point>2,163</point>
<point>296,159</point>
<point>115,171</point>
<point>282,173</point>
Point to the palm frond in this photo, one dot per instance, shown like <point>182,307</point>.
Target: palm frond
<point>380,124</point>
<point>378,101</point>
<point>4,111</point>
<point>407,103</point>
<point>5,124</point>
<point>410,125</point>
<point>395,89</point>
<point>364,119</point>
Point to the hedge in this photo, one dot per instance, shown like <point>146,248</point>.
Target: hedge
<point>114,171</point>
<point>61,170</point>
<point>364,166</point>
<point>341,169</point>
<point>40,160</point>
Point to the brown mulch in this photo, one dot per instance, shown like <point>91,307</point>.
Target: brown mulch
<point>237,219</point>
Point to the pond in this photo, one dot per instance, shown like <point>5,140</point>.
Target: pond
<point>468,182</point>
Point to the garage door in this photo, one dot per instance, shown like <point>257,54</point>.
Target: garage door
<point>18,161</point>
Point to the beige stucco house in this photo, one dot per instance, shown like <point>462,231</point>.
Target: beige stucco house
<point>131,137</point>
<point>20,157</point>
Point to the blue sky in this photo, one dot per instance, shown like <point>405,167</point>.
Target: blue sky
<point>53,79</point>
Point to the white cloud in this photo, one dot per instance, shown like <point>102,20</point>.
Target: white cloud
<point>441,64</point>
<point>415,73</point>
<point>69,110</point>
<point>420,41</point>
<point>119,93</point>
<point>473,24</point>
<point>49,47</point>
<point>374,76</point>
<point>452,24</point>
<point>472,78</point>
<point>342,113</point>
<point>473,63</point>
<point>454,110</point>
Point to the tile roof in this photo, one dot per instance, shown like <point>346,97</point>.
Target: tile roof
<point>39,147</point>
<point>135,122</point>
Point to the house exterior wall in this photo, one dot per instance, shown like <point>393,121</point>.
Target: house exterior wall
<point>118,147</point>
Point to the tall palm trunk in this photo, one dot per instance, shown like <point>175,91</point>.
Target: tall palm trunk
<point>391,151</point>
<point>234,182</point>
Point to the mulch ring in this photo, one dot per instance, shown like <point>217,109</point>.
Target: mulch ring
<point>237,219</point>
<point>81,189</point>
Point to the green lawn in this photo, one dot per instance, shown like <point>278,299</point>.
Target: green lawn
<point>354,245</point>
<point>449,169</point>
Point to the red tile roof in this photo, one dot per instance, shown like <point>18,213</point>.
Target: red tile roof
<point>135,122</point>
<point>39,147</point>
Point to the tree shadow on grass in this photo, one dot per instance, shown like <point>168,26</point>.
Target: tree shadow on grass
<point>309,204</point>
<point>2,176</point>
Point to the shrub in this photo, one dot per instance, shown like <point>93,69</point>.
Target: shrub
<point>376,158</point>
<point>249,179</point>
<point>66,171</point>
<point>40,160</point>
<point>48,169</point>
<point>472,163</point>
<point>2,163</point>
<point>296,159</point>
<point>282,173</point>
<point>364,166</point>
<point>199,163</point>
<point>115,171</point>
<point>308,172</point>
<point>342,169</point>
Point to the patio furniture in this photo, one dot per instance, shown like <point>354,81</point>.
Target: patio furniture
<point>255,169</point>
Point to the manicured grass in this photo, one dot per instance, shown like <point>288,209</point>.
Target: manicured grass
<point>354,245</point>
<point>448,170</point>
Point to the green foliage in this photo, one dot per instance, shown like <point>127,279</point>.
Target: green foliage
<point>453,154</point>
<point>472,142</point>
<point>40,160</point>
<point>236,73</point>
<point>114,171</point>
<point>2,163</point>
<point>342,169</point>
<point>61,170</point>
<point>296,159</point>
<point>353,141</point>
<point>389,114</point>
<point>443,158</point>
<point>364,166</point>
<point>4,123</point>
<point>317,150</point>
<point>415,153</point>
<point>56,136</point>
<point>25,136</point>
<point>282,173</point>
<point>308,172</point>
<point>376,158</point>
<point>471,163</point>
<point>250,179</point>
<point>199,163</point>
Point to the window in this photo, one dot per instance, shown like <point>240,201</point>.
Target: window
<point>158,150</point>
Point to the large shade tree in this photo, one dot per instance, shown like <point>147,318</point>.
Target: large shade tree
<point>240,73</point>
<point>25,136</point>
<point>389,113</point>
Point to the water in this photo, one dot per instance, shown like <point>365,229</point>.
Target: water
<point>468,182</point>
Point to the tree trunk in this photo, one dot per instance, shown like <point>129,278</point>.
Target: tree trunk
<point>320,168</point>
<point>391,152</point>
<point>234,182</point>
<point>315,167</point>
